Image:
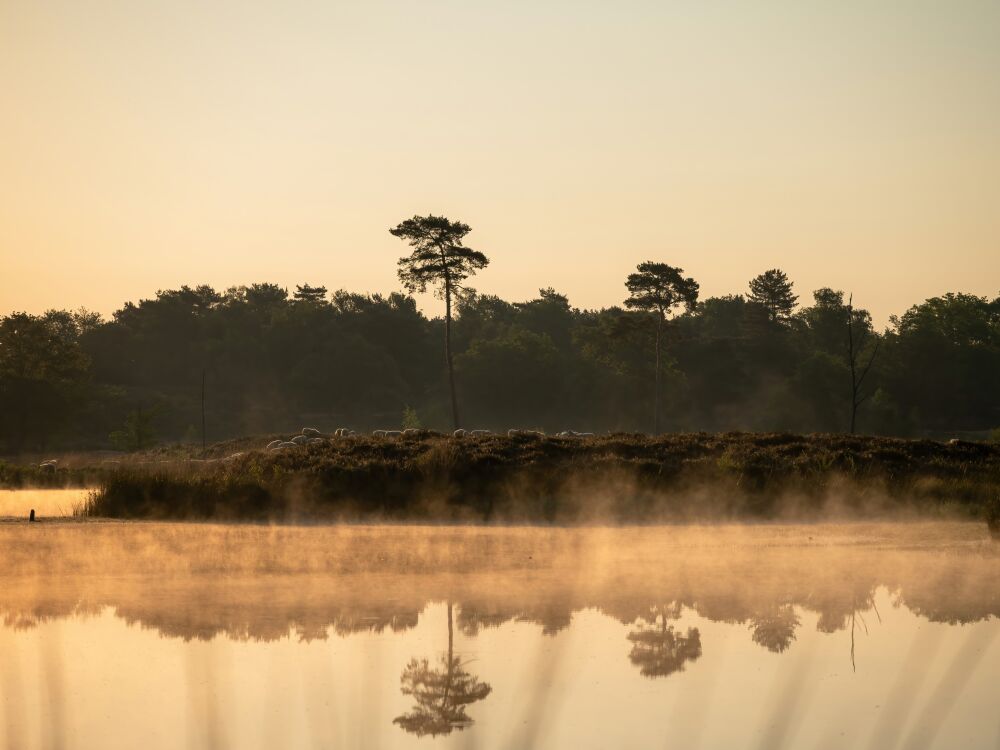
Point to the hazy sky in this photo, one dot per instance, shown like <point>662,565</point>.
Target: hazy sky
<point>145,145</point>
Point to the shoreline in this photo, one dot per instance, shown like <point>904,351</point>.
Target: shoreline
<point>528,479</point>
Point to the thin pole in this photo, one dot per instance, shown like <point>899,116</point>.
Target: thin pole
<point>203,412</point>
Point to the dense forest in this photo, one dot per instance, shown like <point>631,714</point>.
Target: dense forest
<point>273,361</point>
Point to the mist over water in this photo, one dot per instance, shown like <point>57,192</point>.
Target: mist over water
<point>166,635</point>
<point>46,502</point>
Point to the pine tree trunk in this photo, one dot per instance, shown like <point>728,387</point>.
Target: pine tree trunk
<point>447,353</point>
<point>203,413</point>
<point>656,394</point>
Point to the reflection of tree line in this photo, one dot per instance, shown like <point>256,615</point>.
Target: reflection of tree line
<point>442,690</point>
<point>203,608</point>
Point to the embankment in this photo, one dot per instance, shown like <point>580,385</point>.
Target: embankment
<point>532,479</point>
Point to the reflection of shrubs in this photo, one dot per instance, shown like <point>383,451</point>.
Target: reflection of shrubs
<point>993,517</point>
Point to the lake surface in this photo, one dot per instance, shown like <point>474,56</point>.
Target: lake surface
<point>116,635</point>
<point>46,502</point>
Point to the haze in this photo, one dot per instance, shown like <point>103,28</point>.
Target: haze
<point>149,145</point>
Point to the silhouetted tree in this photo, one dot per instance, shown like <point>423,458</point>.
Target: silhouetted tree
<point>306,293</point>
<point>658,288</point>
<point>440,695</point>
<point>68,379</point>
<point>43,374</point>
<point>264,296</point>
<point>859,337</point>
<point>439,257</point>
<point>658,650</point>
<point>773,291</point>
<point>941,362</point>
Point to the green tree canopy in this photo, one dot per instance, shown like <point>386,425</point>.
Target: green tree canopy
<point>439,257</point>
<point>773,291</point>
<point>659,289</point>
<point>306,293</point>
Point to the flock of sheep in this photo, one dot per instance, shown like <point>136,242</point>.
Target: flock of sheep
<point>312,436</point>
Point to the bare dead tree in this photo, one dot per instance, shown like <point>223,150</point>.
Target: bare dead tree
<point>855,347</point>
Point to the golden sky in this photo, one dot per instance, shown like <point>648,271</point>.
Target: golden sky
<point>145,145</point>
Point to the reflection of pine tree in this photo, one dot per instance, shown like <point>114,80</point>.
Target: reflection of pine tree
<point>440,695</point>
<point>658,650</point>
<point>775,628</point>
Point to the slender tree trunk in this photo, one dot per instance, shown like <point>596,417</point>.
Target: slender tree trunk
<point>203,413</point>
<point>656,394</point>
<point>447,353</point>
<point>851,359</point>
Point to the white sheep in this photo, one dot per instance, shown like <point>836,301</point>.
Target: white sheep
<point>393,433</point>
<point>299,440</point>
<point>288,444</point>
<point>480,433</point>
<point>274,444</point>
<point>378,433</point>
<point>315,441</point>
<point>311,432</point>
<point>459,433</point>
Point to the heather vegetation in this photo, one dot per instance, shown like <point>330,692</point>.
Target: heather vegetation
<point>615,478</point>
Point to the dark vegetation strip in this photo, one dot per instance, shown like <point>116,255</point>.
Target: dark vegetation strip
<point>617,478</point>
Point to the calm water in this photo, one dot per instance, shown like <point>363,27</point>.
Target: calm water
<point>173,635</point>
<point>18,503</point>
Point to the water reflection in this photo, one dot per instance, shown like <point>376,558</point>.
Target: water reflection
<point>774,629</point>
<point>658,650</point>
<point>440,695</point>
<point>523,625</point>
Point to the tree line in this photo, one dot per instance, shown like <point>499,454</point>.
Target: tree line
<point>258,359</point>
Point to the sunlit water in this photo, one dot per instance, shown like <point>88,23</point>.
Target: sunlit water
<point>45,502</point>
<point>172,635</point>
